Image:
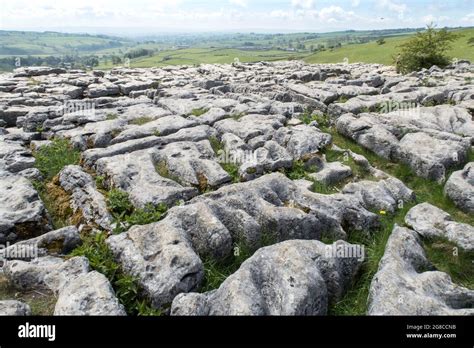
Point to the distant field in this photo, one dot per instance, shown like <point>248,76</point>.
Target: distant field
<point>210,56</point>
<point>383,54</point>
<point>21,43</point>
<point>369,52</point>
<point>99,51</point>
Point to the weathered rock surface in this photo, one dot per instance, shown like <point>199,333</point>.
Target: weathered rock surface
<point>164,256</point>
<point>48,272</point>
<point>136,174</point>
<point>290,278</point>
<point>432,222</point>
<point>88,294</point>
<point>14,308</point>
<point>56,243</point>
<point>403,286</point>
<point>85,197</point>
<point>429,153</point>
<point>161,257</point>
<point>460,188</point>
<point>79,291</point>
<point>192,164</point>
<point>218,145</point>
<point>22,213</point>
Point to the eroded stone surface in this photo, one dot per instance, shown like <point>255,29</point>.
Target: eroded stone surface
<point>432,222</point>
<point>217,140</point>
<point>290,278</point>
<point>460,188</point>
<point>405,285</point>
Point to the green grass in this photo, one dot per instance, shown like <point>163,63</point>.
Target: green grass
<point>460,268</point>
<point>126,215</point>
<point>111,116</point>
<point>216,272</point>
<point>51,43</point>
<point>209,55</point>
<point>354,301</point>
<point>297,172</point>
<point>426,190</point>
<point>308,117</point>
<point>126,287</point>
<point>162,169</point>
<point>373,53</point>
<point>141,121</point>
<point>219,48</point>
<point>319,187</point>
<point>41,302</point>
<point>216,144</point>
<point>50,160</point>
<point>54,157</point>
<point>238,116</point>
<point>358,172</point>
<point>233,170</point>
<point>449,258</point>
<point>199,112</point>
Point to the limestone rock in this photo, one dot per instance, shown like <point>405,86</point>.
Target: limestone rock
<point>22,213</point>
<point>403,286</point>
<point>88,294</point>
<point>431,222</point>
<point>290,278</point>
<point>14,308</point>
<point>460,188</point>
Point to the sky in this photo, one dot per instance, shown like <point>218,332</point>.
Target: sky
<point>155,16</point>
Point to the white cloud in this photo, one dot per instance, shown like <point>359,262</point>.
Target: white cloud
<point>355,3</point>
<point>333,13</point>
<point>434,19</point>
<point>303,4</point>
<point>330,15</point>
<point>392,6</point>
<point>469,18</point>
<point>187,15</point>
<point>240,3</point>
<point>279,14</point>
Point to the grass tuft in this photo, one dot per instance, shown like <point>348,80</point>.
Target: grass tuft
<point>126,215</point>
<point>216,272</point>
<point>354,301</point>
<point>126,287</point>
<point>199,112</point>
<point>141,121</point>
<point>54,157</point>
<point>449,258</point>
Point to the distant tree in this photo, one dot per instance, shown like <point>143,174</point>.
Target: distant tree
<point>471,41</point>
<point>425,49</point>
<point>381,41</point>
<point>91,61</point>
<point>116,60</point>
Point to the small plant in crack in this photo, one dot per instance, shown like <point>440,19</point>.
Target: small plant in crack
<point>127,288</point>
<point>52,158</point>
<point>217,271</point>
<point>126,215</point>
<point>199,112</point>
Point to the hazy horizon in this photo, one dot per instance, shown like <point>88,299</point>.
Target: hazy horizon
<point>146,17</point>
